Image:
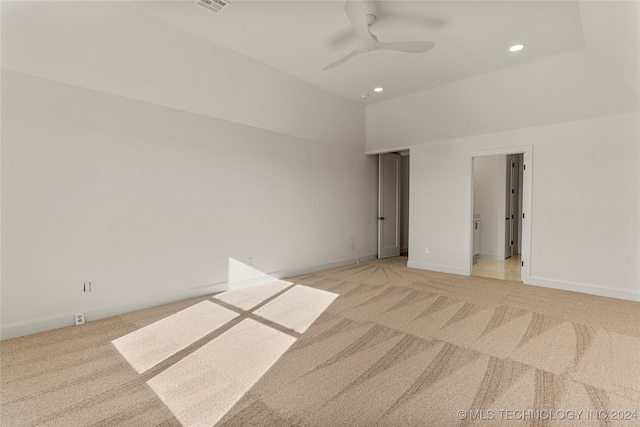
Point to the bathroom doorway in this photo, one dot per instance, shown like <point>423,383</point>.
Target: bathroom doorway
<point>497,216</point>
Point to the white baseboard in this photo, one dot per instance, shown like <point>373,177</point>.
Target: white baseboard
<point>585,288</point>
<point>438,267</point>
<point>285,274</point>
<point>565,285</point>
<point>247,283</point>
<point>47,323</point>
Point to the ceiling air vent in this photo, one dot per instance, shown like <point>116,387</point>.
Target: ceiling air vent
<point>215,6</point>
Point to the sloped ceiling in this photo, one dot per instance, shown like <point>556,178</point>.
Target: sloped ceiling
<point>612,32</point>
<point>302,37</point>
<point>109,47</point>
<point>581,60</point>
<point>600,79</point>
<point>572,86</point>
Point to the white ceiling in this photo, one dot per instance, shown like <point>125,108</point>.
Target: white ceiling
<point>301,37</point>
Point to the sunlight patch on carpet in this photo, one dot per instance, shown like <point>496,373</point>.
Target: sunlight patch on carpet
<point>297,308</point>
<point>200,389</point>
<point>152,344</point>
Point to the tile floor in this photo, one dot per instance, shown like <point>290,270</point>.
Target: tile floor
<point>508,269</point>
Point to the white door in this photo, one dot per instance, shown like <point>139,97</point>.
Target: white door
<point>510,208</point>
<point>389,205</point>
<point>517,247</point>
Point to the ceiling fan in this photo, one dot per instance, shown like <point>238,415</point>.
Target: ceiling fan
<point>367,41</point>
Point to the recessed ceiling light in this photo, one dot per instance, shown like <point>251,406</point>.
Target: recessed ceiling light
<point>516,47</point>
<point>378,89</point>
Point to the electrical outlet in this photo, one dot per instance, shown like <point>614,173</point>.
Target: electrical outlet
<point>80,319</point>
<point>357,261</point>
<point>86,286</point>
<point>426,250</point>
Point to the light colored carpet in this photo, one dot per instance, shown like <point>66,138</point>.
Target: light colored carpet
<point>152,344</point>
<point>397,347</point>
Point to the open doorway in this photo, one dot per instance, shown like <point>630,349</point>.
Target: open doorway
<point>393,204</point>
<point>497,216</point>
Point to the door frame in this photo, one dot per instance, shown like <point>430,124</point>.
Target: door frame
<point>381,196</point>
<point>527,204</point>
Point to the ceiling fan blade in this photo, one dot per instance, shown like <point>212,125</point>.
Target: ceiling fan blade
<point>344,36</point>
<point>410,47</point>
<point>367,41</point>
<point>358,18</point>
<point>343,60</point>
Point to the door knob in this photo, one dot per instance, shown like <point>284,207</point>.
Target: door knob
<point>380,217</point>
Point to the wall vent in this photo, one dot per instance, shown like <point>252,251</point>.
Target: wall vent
<point>215,6</point>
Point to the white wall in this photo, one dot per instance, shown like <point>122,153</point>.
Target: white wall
<point>145,200</point>
<point>581,120</point>
<point>489,183</point>
<point>140,157</point>
<point>584,218</point>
